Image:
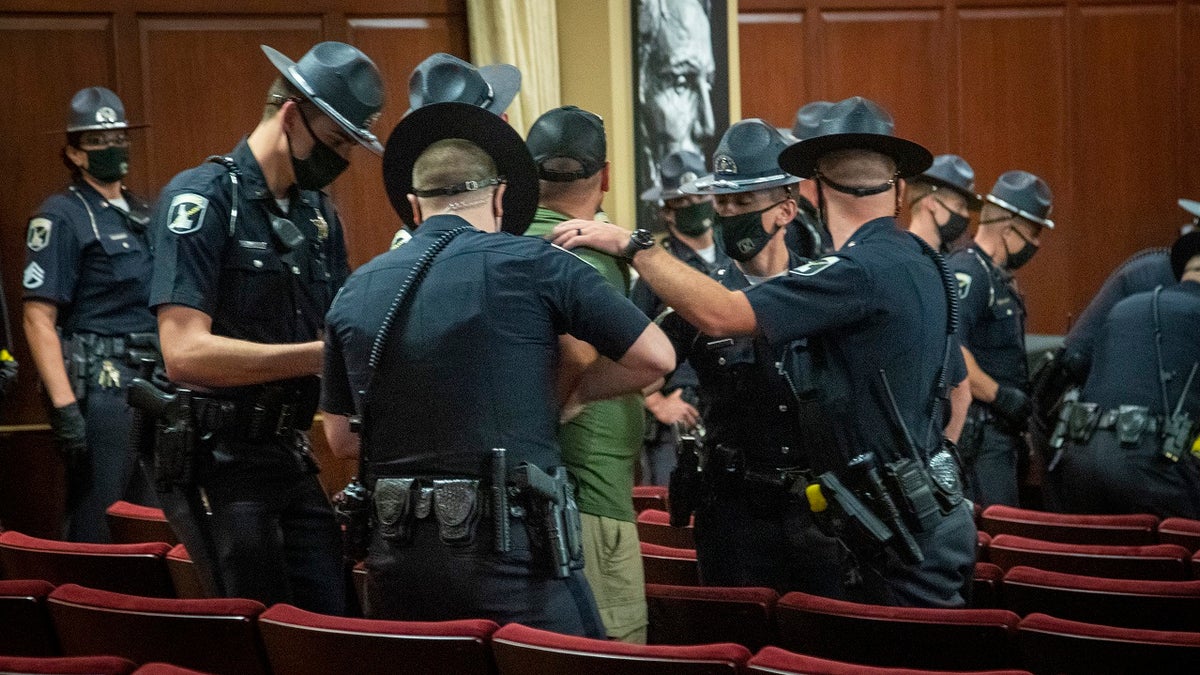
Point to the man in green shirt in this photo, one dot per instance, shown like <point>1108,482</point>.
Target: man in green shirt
<point>600,441</point>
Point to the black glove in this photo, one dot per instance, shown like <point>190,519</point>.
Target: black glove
<point>8,372</point>
<point>71,438</point>
<point>1013,408</point>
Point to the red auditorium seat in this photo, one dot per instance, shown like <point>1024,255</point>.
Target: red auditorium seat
<point>776,661</point>
<point>1182,531</point>
<point>982,539</point>
<point>521,650</point>
<point>654,527</point>
<point>219,636</point>
<point>125,568</point>
<point>25,627</point>
<point>303,643</point>
<point>65,665</point>
<point>1068,528</point>
<point>1052,645</point>
<point>649,497</point>
<point>667,565</point>
<point>1166,562</point>
<point>987,586</point>
<point>165,669</point>
<point>1134,603</point>
<point>908,637</point>
<point>133,524</point>
<point>696,615</point>
<point>184,576</point>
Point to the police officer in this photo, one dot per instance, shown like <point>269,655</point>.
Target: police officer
<point>86,283</point>
<point>749,530</point>
<point>442,78</point>
<point>806,236</point>
<point>992,333</point>
<point>941,201</point>
<point>464,362</point>
<point>689,222</point>
<point>251,254</point>
<point>8,364</point>
<point>867,308</point>
<point>1131,435</point>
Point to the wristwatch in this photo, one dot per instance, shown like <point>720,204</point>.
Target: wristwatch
<point>639,240</point>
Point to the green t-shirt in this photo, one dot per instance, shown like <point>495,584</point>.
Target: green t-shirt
<point>601,445</point>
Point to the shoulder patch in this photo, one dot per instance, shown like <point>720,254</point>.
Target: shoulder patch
<point>38,236</point>
<point>401,238</point>
<point>815,267</point>
<point>964,284</point>
<point>187,213</point>
<point>34,276</point>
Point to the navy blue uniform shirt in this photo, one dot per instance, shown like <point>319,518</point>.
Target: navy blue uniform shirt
<point>470,362</point>
<point>92,261</point>
<point>1125,370</point>
<point>252,287</point>
<point>991,317</point>
<point>876,304</point>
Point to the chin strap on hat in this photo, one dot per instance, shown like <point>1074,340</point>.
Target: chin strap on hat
<point>860,192</point>
<point>458,188</point>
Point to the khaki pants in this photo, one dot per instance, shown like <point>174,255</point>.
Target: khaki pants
<point>613,567</point>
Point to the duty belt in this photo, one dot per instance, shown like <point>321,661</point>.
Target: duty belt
<point>108,346</point>
<point>729,464</point>
<point>249,419</point>
<point>1131,423</point>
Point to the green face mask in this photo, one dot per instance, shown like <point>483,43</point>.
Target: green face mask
<point>108,165</point>
<point>694,220</point>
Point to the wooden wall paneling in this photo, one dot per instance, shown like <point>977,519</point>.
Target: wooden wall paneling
<point>772,51</point>
<point>1013,102</point>
<point>77,51</point>
<point>1190,110</point>
<point>1125,116</point>
<point>206,79</point>
<point>396,45</point>
<point>897,58</point>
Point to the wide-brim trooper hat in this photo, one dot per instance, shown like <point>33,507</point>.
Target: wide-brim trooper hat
<point>808,119</point>
<point>1024,194</point>
<point>744,161</point>
<point>429,124</point>
<point>1184,249</point>
<point>676,169</point>
<point>97,109</point>
<point>953,172</point>
<point>342,82</point>
<point>861,124</point>
<point>443,77</point>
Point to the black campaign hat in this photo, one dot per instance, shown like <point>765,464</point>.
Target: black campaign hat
<point>568,133</point>
<point>855,123</point>
<point>443,78</point>
<point>97,109</point>
<point>953,172</point>
<point>744,161</point>
<point>675,170</point>
<point>429,124</point>
<point>1024,194</point>
<point>1184,249</point>
<point>342,82</point>
<point>808,119</point>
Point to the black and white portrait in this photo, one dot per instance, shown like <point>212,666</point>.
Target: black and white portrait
<point>681,97</point>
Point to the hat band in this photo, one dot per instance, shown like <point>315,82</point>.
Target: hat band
<point>329,109</point>
<point>714,182</point>
<point>857,191</point>
<point>458,188</point>
<point>1020,212</point>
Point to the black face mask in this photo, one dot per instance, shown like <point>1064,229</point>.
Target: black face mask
<point>743,234</point>
<point>1022,256</point>
<point>108,165</point>
<point>694,220</point>
<point>954,226</point>
<point>321,166</point>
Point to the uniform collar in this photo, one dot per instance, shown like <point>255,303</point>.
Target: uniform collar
<point>254,183</point>
<point>871,228</point>
<point>441,223</point>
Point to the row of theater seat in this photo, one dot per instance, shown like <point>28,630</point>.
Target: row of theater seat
<point>236,636</point>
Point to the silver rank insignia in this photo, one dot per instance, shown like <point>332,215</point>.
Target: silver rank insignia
<point>34,276</point>
<point>964,284</point>
<point>109,375</point>
<point>38,236</point>
<point>322,227</point>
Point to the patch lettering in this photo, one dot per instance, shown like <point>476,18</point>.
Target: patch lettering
<point>34,276</point>
<point>187,213</point>
<point>38,236</point>
<point>815,267</point>
<point>964,284</point>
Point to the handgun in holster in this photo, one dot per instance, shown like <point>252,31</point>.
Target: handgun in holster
<point>1062,427</point>
<point>552,498</point>
<point>175,442</point>
<point>686,486</point>
<point>351,508</point>
<point>78,358</point>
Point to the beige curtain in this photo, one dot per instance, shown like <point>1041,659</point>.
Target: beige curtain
<point>525,34</point>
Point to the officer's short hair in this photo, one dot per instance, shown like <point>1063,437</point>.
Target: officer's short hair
<point>856,167</point>
<point>451,161</point>
<point>281,90</point>
<point>918,190</point>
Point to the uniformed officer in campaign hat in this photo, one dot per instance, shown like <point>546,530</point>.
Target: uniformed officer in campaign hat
<point>250,252</point>
<point>86,281</point>
<point>992,332</point>
<point>941,201</point>
<point>879,294</point>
